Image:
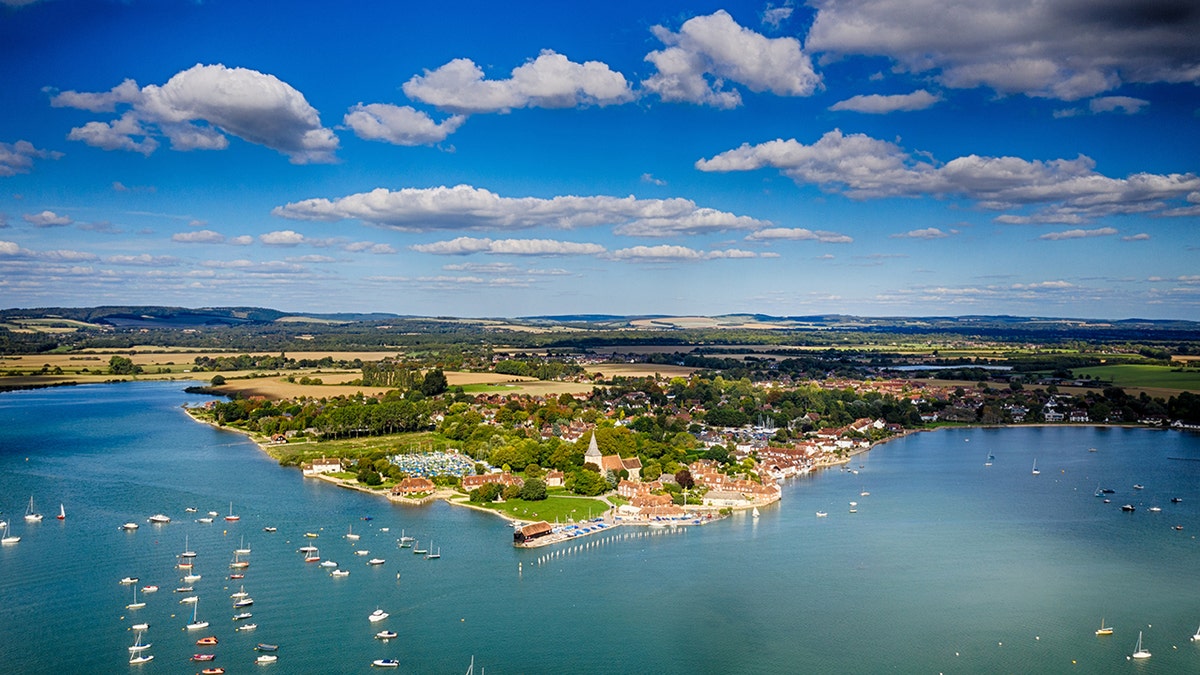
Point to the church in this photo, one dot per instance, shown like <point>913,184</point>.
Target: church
<point>612,463</point>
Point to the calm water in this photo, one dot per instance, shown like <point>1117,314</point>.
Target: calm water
<point>948,566</point>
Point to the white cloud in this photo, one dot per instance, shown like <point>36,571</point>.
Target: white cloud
<point>880,105</point>
<point>861,167</point>
<point>925,233</point>
<point>47,219</point>
<point>523,247</point>
<point>399,125</point>
<point>143,259</point>
<point>10,248</point>
<point>799,234</point>
<point>1079,234</point>
<point>369,247</point>
<point>661,253</point>
<point>774,16</point>
<point>198,237</point>
<point>282,238</point>
<point>18,157</point>
<point>1125,104</point>
<point>1065,50</point>
<point>464,207</point>
<point>549,81</point>
<point>198,106</point>
<point>649,178</point>
<point>708,50</point>
<point>241,240</point>
<point>1140,236</point>
<point>302,259</point>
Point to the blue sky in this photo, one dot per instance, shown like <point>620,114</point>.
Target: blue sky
<point>871,157</point>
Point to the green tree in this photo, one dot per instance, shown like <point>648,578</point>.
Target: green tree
<point>434,383</point>
<point>120,365</point>
<point>218,380</point>
<point>533,490</point>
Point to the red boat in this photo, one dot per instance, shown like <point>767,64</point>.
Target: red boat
<point>213,671</point>
<point>210,640</point>
<point>203,657</point>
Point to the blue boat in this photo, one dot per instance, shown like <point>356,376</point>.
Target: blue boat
<point>264,647</point>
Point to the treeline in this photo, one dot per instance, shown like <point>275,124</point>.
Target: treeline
<point>268,362</point>
<point>539,368</point>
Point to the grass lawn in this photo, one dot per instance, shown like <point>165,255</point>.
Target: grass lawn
<point>551,508</point>
<point>1145,376</point>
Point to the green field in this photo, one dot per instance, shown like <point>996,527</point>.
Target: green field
<point>1145,376</point>
<point>554,507</point>
<point>488,388</point>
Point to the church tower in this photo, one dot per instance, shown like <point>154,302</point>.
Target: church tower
<point>593,455</point>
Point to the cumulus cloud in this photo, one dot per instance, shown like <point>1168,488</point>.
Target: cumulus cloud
<point>18,157</point>
<point>669,253</point>
<point>1140,236</point>
<point>710,50</point>
<point>47,219</point>
<point>282,238</point>
<point>464,207</point>
<point>549,81</point>
<point>369,247</point>
<point>925,233</point>
<point>199,237</point>
<point>1124,104</point>
<point>861,167</point>
<point>399,125</point>
<point>197,107</point>
<point>522,247</point>
<point>881,105</point>
<point>1079,234</point>
<point>799,234</point>
<point>1064,50</point>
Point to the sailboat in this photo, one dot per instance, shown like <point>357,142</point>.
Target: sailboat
<point>187,551</point>
<point>351,536</point>
<point>232,517</point>
<point>1140,652</point>
<point>1196,637</point>
<point>238,563</point>
<point>434,556</point>
<point>8,538</point>
<point>32,516</point>
<point>196,623</point>
<point>241,549</point>
<point>1104,630</point>
<point>137,645</point>
<point>135,604</point>
<point>1035,469</point>
<point>405,541</point>
<point>312,556</point>
<point>138,659</point>
<point>990,457</point>
<point>62,512</point>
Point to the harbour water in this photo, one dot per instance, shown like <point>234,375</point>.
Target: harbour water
<point>947,566</point>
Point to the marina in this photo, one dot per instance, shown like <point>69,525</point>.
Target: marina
<point>905,565</point>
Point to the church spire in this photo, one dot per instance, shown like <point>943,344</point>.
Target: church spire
<point>593,455</point>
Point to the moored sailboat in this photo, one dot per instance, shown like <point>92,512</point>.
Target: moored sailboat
<point>1104,630</point>
<point>1140,652</point>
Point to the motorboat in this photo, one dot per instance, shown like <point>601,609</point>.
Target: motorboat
<point>184,589</point>
<point>385,663</point>
<point>376,561</point>
<point>244,602</point>
<point>311,535</point>
<point>362,552</point>
<point>1127,507</point>
<point>213,671</point>
<point>210,640</point>
<point>242,616</point>
<point>140,626</point>
<point>385,635</point>
<point>206,520</point>
<point>270,529</point>
<point>160,519</point>
<point>130,526</point>
<point>822,514</point>
<point>203,657</point>
<point>125,581</point>
<point>266,658</point>
<point>377,615</point>
<point>247,627</point>
<point>340,573</point>
<point>150,589</point>
<point>328,563</point>
<point>264,647</point>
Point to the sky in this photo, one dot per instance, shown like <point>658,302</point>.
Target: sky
<point>504,159</point>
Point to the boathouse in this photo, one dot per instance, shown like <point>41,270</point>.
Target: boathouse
<point>532,531</point>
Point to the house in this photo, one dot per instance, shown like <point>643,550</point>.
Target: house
<point>413,485</point>
<point>502,479</point>
<point>555,479</point>
<point>532,531</point>
<point>319,466</point>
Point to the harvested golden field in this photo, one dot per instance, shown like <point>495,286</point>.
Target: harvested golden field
<point>638,370</point>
